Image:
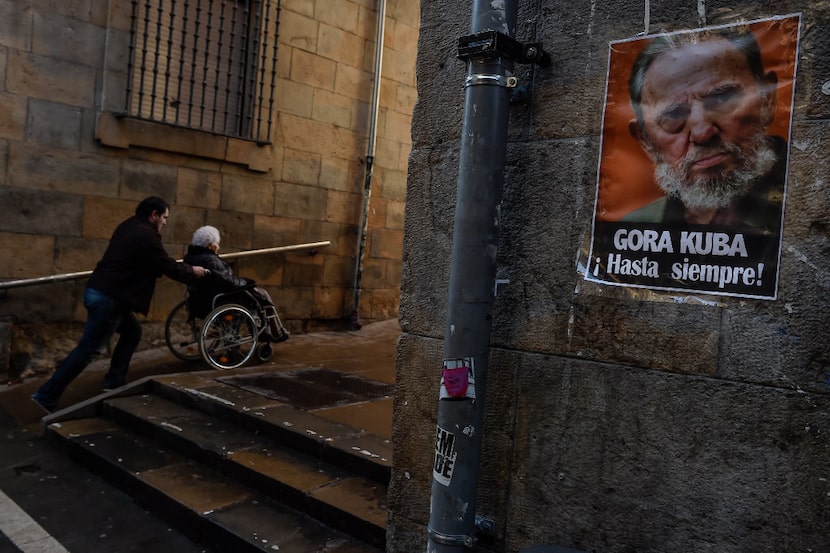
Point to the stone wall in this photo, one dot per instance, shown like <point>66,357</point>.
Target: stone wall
<point>71,168</point>
<point>615,421</point>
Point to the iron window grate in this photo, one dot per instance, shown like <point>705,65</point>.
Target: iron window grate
<point>208,65</point>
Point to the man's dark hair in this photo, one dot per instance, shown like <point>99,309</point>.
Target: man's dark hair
<point>743,40</point>
<point>150,205</point>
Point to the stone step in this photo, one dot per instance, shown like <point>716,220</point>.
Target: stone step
<point>311,432</point>
<point>337,497</point>
<point>200,500</point>
<point>235,469</point>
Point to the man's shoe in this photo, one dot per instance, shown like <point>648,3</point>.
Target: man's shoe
<point>45,406</point>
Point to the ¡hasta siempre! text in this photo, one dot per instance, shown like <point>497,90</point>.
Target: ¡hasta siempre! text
<point>723,275</point>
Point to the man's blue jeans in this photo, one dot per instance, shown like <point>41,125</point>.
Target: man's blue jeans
<point>104,316</point>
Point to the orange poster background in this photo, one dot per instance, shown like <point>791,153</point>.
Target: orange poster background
<point>626,175</point>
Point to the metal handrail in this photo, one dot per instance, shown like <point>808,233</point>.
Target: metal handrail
<point>83,274</point>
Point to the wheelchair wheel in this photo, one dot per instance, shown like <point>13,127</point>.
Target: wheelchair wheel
<point>264,352</point>
<point>182,337</point>
<point>229,337</point>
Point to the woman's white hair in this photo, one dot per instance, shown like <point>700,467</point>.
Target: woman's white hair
<point>205,236</point>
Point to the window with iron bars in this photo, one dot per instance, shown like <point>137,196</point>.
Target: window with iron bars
<point>208,65</point>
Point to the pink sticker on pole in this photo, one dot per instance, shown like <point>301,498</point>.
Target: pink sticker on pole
<point>457,378</point>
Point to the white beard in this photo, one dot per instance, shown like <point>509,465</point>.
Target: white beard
<point>717,191</point>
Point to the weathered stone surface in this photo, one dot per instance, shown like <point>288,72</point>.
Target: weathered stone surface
<point>621,459</point>
<point>74,163</point>
<point>40,213</point>
<point>621,420</point>
<point>50,79</point>
<point>12,116</point>
<point>34,167</point>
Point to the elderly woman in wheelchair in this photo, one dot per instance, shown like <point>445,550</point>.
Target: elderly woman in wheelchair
<point>225,319</point>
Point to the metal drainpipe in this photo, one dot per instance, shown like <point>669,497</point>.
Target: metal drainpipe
<point>354,319</point>
<point>452,521</point>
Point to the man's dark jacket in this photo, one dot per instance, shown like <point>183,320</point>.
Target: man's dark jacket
<point>133,261</point>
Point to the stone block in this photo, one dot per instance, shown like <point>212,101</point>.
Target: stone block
<point>141,179</point>
<point>353,82</point>
<point>295,200</point>
<point>247,194</point>
<point>367,23</point>
<point>343,207</point>
<point>340,174</point>
<point>406,97</point>
<point>69,38</point>
<point>301,167</point>
<point>298,28</point>
<point>40,212</point>
<point>395,215</point>
<point>393,184</point>
<point>272,232</point>
<point>387,153</point>
<point>344,47</point>
<point>312,69</point>
<point>414,419</point>
<point>343,237</point>
<point>50,78</point>
<point>196,188</point>
<point>75,255</point>
<point>330,107</point>
<point>660,335</point>
<point>305,134</point>
<point>393,276</point>
<point>400,36</point>
<point>377,212</point>
<point>399,66</point>
<point>295,98</point>
<point>373,274</point>
<point>295,302</point>
<point>54,302</point>
<point>27,255</point>
<point>665,452</point>
<point>331,303</point>
<point>303,274</point>
<point>386,244</point>
<point>337,271</point>
<point>16,25</point>
<point>381,304</point>
<point>62,171</point>
<point>406,12</point>
<point>254,156</point>
<point>347,144</point>
<point>120,16</point>
<point>102,215</point>
<point>397,126</point>
<point>341,15</point>
<point>13,111</point>
<point>55,125</point>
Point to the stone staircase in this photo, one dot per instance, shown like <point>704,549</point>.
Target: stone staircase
<point>234,469</point>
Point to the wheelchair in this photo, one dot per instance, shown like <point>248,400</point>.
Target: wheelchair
<point>226,335</point>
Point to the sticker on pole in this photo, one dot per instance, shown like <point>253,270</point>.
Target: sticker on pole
<point>458,379</point>
<point>445,454</point>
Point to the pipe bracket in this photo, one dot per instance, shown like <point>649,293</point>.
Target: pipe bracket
<point>447,539</point>
<point>494,80</point>
<point>493,44</point>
